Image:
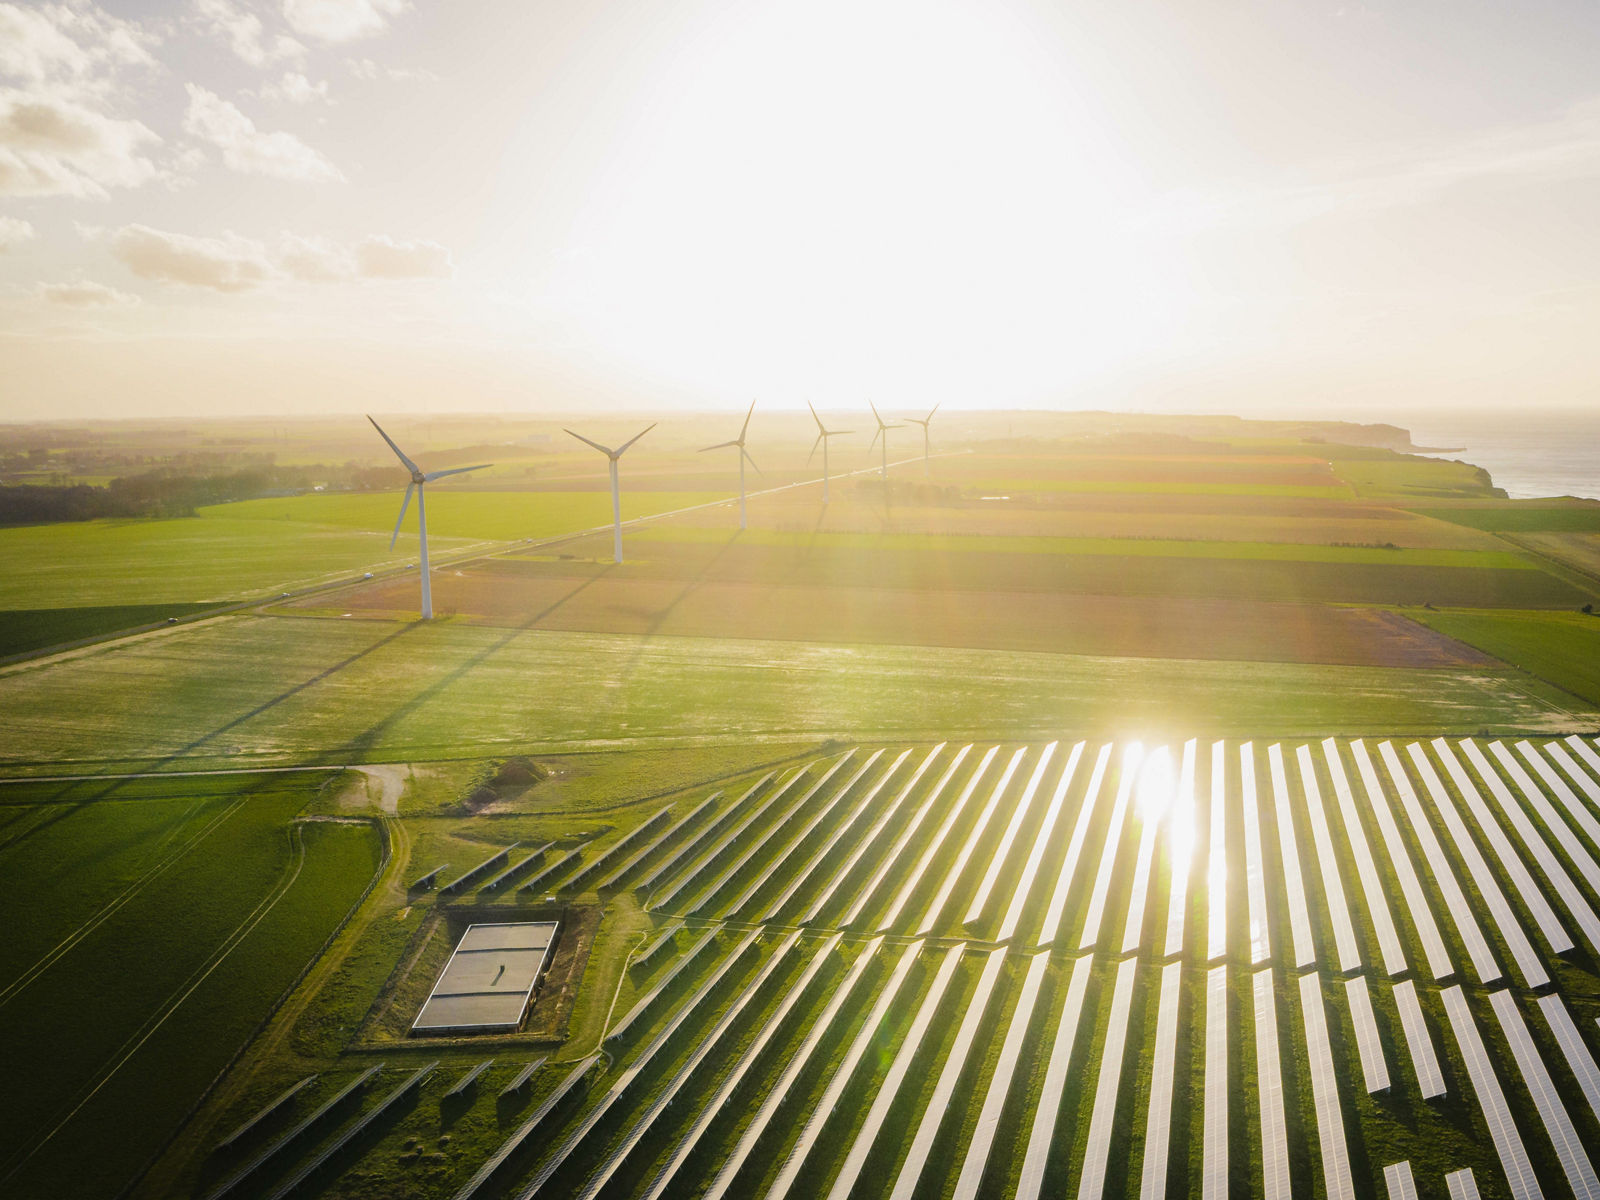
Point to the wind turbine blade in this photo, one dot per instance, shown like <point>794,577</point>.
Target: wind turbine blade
<point>814,446</point>
<point>746,453</point>
<point>875,415</point>
<point>875,438</point>
<point>931,411</point>
<point>404,504</point>
<point>746,424</point>
<point>432,475</point>
<point>814,416</point>
<point>635,438</point>
<point>837,432</point>
<point>719,446</point>
<point>410,466</point>
<point>606,450</point>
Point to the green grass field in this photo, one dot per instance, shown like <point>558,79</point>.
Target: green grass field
<point>452,512</point>
<point>276,690</point>
<point>1560,648</point>
<point>1522,516</point>
<point>158,923</point>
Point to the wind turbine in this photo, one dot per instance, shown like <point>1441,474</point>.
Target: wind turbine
<point>419,479</point>
<point>743,454</point>
<point>823,434</point>
<point>924,422</point>
<point>616,494</point>
<point>883,432</point>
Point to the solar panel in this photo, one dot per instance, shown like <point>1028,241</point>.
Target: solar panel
<point>1578,906</point>
<point>625,868</point>
<point>1305,947</point>
<point>1103,1118</point>
<point>1579,1060</point>
<point>1575,1164</point>
<point>1424,1060</point>
<point>954,1064</point>
<point>941,898</point>
<point>509,1147</point>
<point>756,845</point>
<point>889,1089</point>
<point>1150,820</point>
<point>871,1029</point>
<point>890,859</point>
<point>470,1078</point>
<point>520,1079</point>
<point>1575,847</point>
<point>1421,912</point>
<point>647,1001</point>
<point>1336,1178</point>
<point>914,880</point>
<point>824,853</point>
<point>1214,1165</point>
<point>1544,916</point>
<point>1372,884</point>
<point>1374,1070</point>
<point>1511,931</point>
<point>1269,1090</point>
<point>1041,843</point>
<point>1462,1185</point>
<point>1397,1177</point>
<point>641,1062</point>
<point>1051,929</point>
<point>797,1063</point>
<point>1048,1112</point>
<point>747,1060</point>
<point>870,838</point>
<point>606,857</point>
<point>1586,753</point>
<point>1444,877</point>
<point>1486,1086</point>
<point>721,843</point>
<point>1180,852</point>
<point>704,1045</point>
<point>1000,1082</point>
<point>1255,869</point>
<point>1344,934</point>
<point>661,940</point>
<point>1163,1066</point>
<point>1131,756</point>
<point>271,1107</point>
<point>1002,850</point>
<point>823,811</point>
<point>1217,861</point>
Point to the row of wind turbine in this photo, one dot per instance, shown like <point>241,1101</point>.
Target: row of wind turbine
<point>420,478</point>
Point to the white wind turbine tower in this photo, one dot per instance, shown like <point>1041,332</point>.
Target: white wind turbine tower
<point>419,479</point>
<point>883,432</point>
<point>925,422</point>
<point>743,454</point>
<point>823,434</point>
<point>616,494</point>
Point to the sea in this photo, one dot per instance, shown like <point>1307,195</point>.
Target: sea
<point>1531,454</point>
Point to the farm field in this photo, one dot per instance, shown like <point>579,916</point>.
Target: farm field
<point>1044,937</point>
<point>1563,648</point>
<point>286,691</point>
<point>155,924</point>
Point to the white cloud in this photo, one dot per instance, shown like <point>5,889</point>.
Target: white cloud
<point>314,260</point>
<point>295,88</point>
<point>244,33</point>
<point>54,146</point>
<point>379,257</point>
<point>227,264</point>
<point>13,232</point>
<point>79,43</point>
<point>340,20</point>
<point>249,150</point>
<point>232,263</point>
<point>84,293</point>
<point>366,70</point>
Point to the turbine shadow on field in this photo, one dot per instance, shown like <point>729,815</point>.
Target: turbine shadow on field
<point>660,617</point>
<point>65,810</point>
<point>363,742</point>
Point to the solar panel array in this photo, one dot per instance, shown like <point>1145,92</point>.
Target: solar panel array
<point>1096,969</point>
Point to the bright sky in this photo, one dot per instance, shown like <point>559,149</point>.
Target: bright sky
<point>1278,206</point>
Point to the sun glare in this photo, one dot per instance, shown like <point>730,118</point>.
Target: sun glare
<point>870,195</point>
